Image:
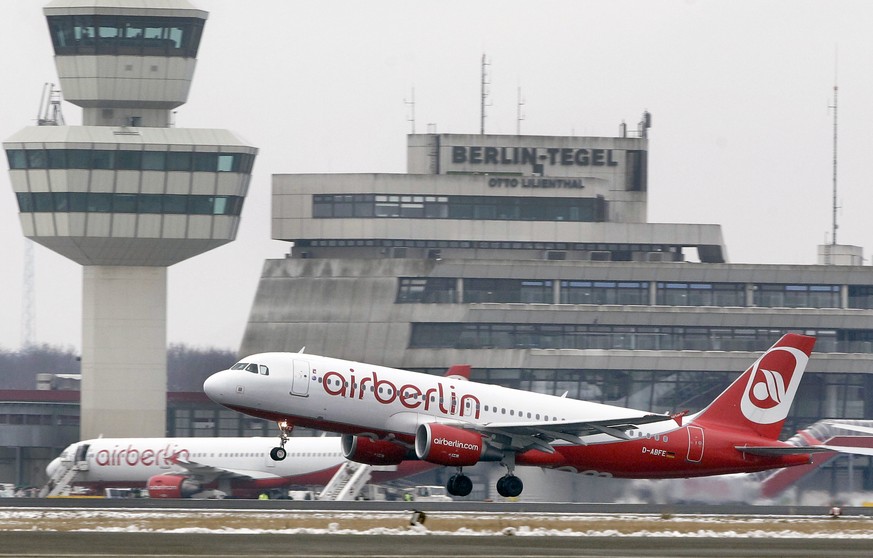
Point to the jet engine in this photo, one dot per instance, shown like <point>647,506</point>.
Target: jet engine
<point>372,452</point>
<point>172,486</point>
<point>449,445</point>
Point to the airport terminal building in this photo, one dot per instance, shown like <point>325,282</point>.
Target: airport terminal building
<point>531,258</point>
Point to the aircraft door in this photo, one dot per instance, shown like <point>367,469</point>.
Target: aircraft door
<point>81,457</point>
<point>300,381</point>
<point>695,444</point>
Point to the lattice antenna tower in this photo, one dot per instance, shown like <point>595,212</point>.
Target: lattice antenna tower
<point>28,298</point>
<point>49,114</point>
<point>50,107</point>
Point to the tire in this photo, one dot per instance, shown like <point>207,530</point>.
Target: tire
<point>509,486</point>
<point>463,485</point>
<point>278,454</point>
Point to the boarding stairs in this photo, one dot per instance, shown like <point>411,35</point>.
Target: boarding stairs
<point>62,481</point>
<point>348,482</point>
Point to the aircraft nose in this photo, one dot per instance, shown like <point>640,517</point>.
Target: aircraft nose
<point>218,386</point>
<point>53,466</point>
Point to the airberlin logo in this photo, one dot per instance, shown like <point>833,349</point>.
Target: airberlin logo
<point>768,389</point>
<point>386,392</point>
<point>772,384</point>
<point>132,456</point>
<point>455,444</point>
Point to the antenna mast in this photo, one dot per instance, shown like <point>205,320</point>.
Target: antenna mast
<point>519,114</point>
<point>411,105</point>
<point>485,92</point>
<point>834,207</point>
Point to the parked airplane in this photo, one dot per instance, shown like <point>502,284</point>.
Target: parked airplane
<point>387,415</point>
<point>182,467</point>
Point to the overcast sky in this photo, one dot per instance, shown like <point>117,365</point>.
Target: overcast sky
<point>739,93</point>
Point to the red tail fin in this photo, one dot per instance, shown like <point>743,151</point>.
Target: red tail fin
<point>459,371</point>
<point>759,399</point>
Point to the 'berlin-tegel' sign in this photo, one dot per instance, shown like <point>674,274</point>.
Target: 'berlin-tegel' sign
<point>564,156</point>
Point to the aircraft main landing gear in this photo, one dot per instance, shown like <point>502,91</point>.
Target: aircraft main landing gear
<point>509,486</point>
<point>459,484</point>
<point>279,453</point>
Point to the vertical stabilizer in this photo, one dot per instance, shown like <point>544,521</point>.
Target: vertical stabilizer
<point>759,400</point>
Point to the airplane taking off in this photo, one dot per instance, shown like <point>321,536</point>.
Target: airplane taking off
<point>183,467</point>
<point>387,415</point>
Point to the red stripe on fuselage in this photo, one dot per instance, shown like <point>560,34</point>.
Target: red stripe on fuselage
<point>650,459</point>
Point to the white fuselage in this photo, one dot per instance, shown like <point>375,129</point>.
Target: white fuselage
<point>135,460</point>
<point>333,394</point>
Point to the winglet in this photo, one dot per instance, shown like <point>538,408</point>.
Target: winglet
<point>459,372</point>
<point>679,416</point>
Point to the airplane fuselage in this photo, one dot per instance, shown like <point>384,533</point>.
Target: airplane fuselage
<point>362,399</point>
<point>131,462</point>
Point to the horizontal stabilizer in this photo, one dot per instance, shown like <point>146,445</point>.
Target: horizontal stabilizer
<point>782,450</point>
<point>853,427</point>
<point>854,451</point>
<point>800,450</point>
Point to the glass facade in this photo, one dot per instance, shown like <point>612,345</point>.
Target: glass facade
<point>638,293</point>
<point>94,202</point>
<point>125,35</point>
<point>860,296</point>
<point>632,337</point>
<point>604,292</point>
<point>701,294</point>
<point>797,296</point>
<point>458,207</point>
<point>129,159</point>
<point>508,290</point>
<point>427,290</point>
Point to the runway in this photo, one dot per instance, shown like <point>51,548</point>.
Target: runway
<point>24,544</point>
<point>171,528</point>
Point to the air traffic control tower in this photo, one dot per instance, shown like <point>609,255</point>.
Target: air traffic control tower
<point>127,194</point>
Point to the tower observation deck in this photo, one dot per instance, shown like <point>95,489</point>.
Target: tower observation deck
<point>126,195</point>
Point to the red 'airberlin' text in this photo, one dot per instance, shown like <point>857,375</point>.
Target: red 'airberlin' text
<point>132,456</point>
<point>409,395</point>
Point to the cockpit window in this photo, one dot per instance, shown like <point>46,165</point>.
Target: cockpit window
<point>251,367</point>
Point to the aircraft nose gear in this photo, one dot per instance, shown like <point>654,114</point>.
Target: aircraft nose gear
<point>459,484</point>
<point>509,486</point>
<point>279,453</point>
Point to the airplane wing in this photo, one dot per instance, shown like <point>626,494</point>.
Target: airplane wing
<point>208,473</point>
<point>540,435</point>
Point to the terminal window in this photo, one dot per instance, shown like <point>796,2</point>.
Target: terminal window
<point>459,207</point>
